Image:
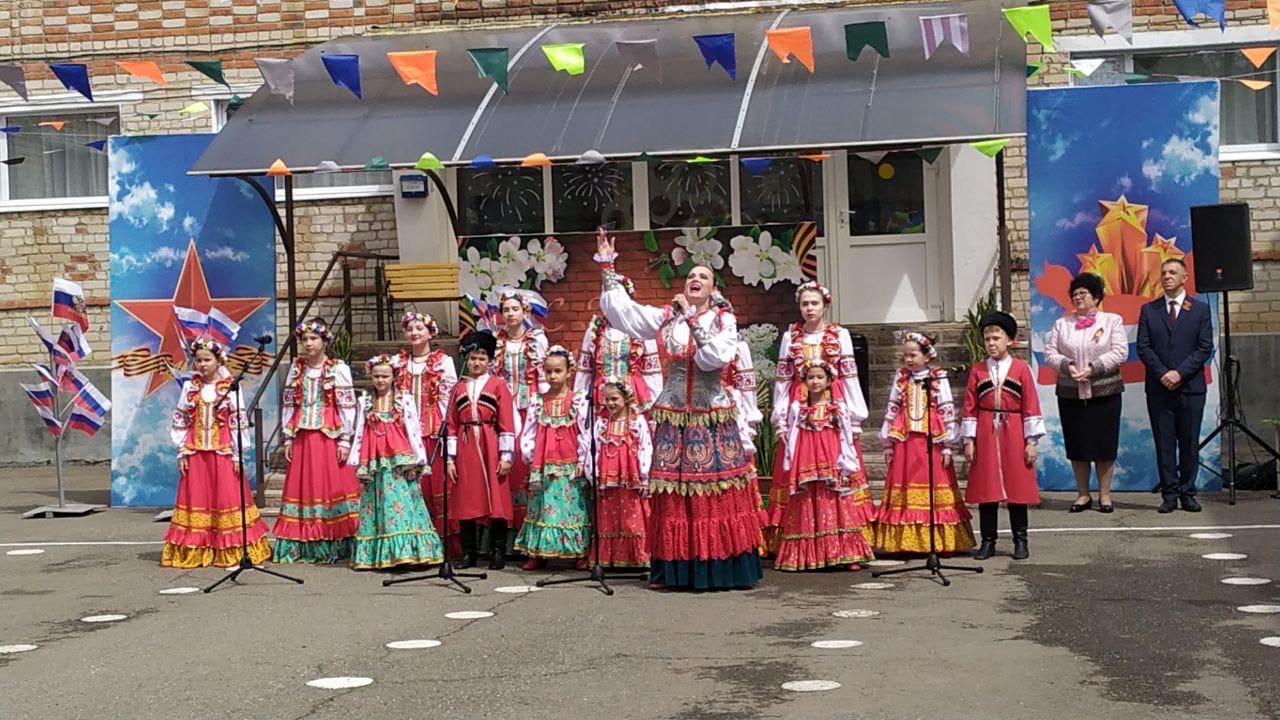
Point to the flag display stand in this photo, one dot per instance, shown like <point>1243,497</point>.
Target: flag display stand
<point>62,509</point>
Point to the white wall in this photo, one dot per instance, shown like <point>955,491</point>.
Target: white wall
<point>969,247</point>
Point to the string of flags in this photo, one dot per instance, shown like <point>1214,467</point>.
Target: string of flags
<point>87,409</point>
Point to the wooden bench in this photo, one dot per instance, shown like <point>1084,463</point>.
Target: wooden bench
<point>423,282</point>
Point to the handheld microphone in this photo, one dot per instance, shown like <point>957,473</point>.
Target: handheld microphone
<point>263,339</point>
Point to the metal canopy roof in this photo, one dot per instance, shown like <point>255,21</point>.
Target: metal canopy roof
<point>772,106</point>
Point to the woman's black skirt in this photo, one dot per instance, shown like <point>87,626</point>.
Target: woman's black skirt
<point>1091,428</point>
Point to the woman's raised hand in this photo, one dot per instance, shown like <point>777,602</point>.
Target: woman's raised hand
<point>604,244</point>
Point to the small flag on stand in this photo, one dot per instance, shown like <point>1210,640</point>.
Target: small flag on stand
<point>68,303</point>
<point>857,36</point>
<point>791,42</point>
<point>16,78</point>
<point>44,372</point>
<point>92,399</point>
<point>46,414</point>
<point>344,70</point>
<point>416,67</point>
<point>191,323</point>
<point>719,49</point>
<point>938,29</point>
<point>42,394</point>
<point>145,69</point>
<point>567,57</point>
<point>85,421</point>
<point>492,63</point>
<point>73,76</point>
<point>1115,14</point>
<point>73,343</point>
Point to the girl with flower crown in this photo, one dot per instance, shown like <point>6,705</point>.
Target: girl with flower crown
<point>607,352</point>
<point>902,520</point>
<point>822,526</point>
<point>620,468</point>
<point>812,339</point>
<point>429,376</point>
<point>552,444</point>
<point>389,457</point>
<point>206,525</point>
<point>319,510</point>
<point>518,361</point>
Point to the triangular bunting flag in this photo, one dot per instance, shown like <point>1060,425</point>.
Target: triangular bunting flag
<point>149,116</point>
<point>641,54</point>
<point>145,69</point>
<point>791,42</point>
<point>278,169</point>
<point>344,70</point>
<point>591,157</point>
<point>416,67</point>
<point>1033,19</point>
<point>1115,14</point>
<point>482,161</point>
<point>104,121</point>
<point>814,157</point>
<point>492,63</point>
<point>1088,66</point>
<point>1212,9</point>
<point>1256,85</point>
<point>193,108</point>
<point>98,145</point>
<point>278,75</point>
<point>719,49</point>
<point>1134,78</point>
<point>13,160</point>
<point>567,57</point>
<point>1258,55</point>
<point>873,157</point>
<point>12,130</point>
<point>211,69</point>
<point>874,35</point>
<point>15,77</point>
<point>1033,68</point>
<point>1074,72</point>
<point>699,160</point>
<point>376,163</point>
<point>428,161</point>
<point>73,76</point>
<point>234,103</point>
<point>990,148</point>
<point>938,29</point>
<point>535,160</point>
<point>55,124</point>
<point>327,166</point>
<point>929,154</point>
<point>756,166</point>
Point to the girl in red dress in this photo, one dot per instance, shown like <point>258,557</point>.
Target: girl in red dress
<point>624,451</point>
<point>429,376</point>
<point>206,525</point>
<point>517,360</point>
<point>608,353</point>
<point>482,427</point>
<point>822,527</point>
<point>902,520</point>
<point>1001,427</point>
<point>320,507</point>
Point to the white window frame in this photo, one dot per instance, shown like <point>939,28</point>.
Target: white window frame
<point>1204,38</point>
<point>111,101</point>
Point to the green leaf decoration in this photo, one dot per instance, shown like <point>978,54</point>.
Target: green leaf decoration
<point>685,267</point>
<point>754,232</point>
<point>650,241</point>
<point>666,274</point>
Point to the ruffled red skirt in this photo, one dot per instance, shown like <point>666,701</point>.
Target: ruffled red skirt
<point>205,529</point>
<point>902,521</point>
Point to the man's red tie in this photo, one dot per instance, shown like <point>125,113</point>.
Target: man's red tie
<point>1173,313</point>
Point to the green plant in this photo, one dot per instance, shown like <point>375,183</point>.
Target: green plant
<point>766,435</point>
<point>343,348</point>
<point>973,333</point>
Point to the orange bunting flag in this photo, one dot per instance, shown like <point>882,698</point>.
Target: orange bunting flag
<point>794,42</point>
<point>145,69</point>
<point>278,169</point>
<point>1256,84</point>
<point>536,160</point>
<point>814,157</point>
<point>416,67</point>
<point>55,124</point>
<point>1258,55</point>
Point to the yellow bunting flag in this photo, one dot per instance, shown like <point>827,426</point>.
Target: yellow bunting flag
<point>1258,55</point>
<point>990,147</point>
<point>278,169</point>
<point>1256,85</point>
<point>567,57</point>
<point>194,108</point>
<point>1033,20</point>
<point>536,160</point>
<point>791,42</point>
<point>145,69</point>
<point>416,67</point>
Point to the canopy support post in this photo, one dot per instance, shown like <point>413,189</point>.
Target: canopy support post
<point>285,228</point>
<point>455,222</point>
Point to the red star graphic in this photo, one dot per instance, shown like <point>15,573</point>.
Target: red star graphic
<point>192,291</point>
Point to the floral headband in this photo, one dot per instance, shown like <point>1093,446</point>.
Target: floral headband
<point>414,316</point>
<point>622,387</point>
<point>562,351</point>
<point>204,342</point>
<point>820,363</point>
<point>383,359</point>
<point>924,341</point>
<point>511,295</point>
<point>813,286</point>
<point>316,326</point>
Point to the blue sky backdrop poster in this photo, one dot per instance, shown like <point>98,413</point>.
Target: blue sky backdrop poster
<point>1112,174</point>
<point>175,240</point>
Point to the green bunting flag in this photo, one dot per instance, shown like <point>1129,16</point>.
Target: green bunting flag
<point>929,154</point>
<point>1033,68</point>
<point>376,163</point>
<point>862,35</point>
<point>211,69</point>
<point>429,161</point>
<point>990,148</point>
<point>1032,19</point>
<point>567,57</point>
<point>491,63</point>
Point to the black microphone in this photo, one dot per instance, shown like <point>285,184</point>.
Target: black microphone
<point>263,339</point>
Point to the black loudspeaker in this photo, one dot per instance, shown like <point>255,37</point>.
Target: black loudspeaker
<point>1220,239</point>
<point>862,358</point>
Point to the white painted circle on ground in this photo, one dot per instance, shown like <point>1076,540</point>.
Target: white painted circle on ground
<point>340,683</point>
<point>103,618</point>
<point>810,685</point>
<point>413,644</point>
<point>1224,556</point>
<point>20,648</point>
<point>1273,641</point>
<point>1260,609</point>
<point>180,591</point>
<point>856,613</point>
<point>468,615</point>
<point>886,563</point>
<point>836,644</point>
<point>517,589</point>
<point>1211,536</point>
<point>872,586</point>
<point>1245,581</point>
<point>26,551</point>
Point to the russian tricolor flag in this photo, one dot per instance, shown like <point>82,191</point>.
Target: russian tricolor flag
<point>73,343</point>
<point>42,398</point>
<point>192,323</point>
<point>68,303</point>
<point>86,395</point>
<point>84,421</point>
<point>222,328</point>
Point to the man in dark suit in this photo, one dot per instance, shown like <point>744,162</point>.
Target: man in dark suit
<point>1175,340</point>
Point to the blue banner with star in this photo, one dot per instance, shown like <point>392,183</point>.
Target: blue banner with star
<point>177,241</point>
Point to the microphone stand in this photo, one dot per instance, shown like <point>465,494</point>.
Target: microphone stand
<point>931,562</point>
<point>445,571</point>
<point>597,572</point>
<point>245,562</point>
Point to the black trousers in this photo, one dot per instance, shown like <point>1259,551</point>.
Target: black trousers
<point>989,520</point>
<point>1175,424</point>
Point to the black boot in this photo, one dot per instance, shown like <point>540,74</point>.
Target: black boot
<point>497,544</point>
<point>467,534</point>
<point>988,523</point>
<point>1018,522</point>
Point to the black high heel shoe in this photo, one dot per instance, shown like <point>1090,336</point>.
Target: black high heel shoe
<point>1076,507</point>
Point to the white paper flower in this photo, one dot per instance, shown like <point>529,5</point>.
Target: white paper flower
<point>510,253</point>
<point>476,276</point>
<point>548,260</point>
<point>759,261</point>
<point>698,245</point>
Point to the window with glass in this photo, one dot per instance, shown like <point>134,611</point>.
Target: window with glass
<point>689,194</point>
<point>49,155</point>
<point>587,197</point>
<point>501,201</point>
<point>886,197</point>
<point>781,191</point>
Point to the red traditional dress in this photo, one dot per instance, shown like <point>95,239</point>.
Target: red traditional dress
<point>823,525</point>
<point>519,364</point>
<point>1001,413</point>
<point>205,528</point>
<point>481,426</point>
<point>320,504</point>
<point>902,521</point>
<point>796,349</point>
<point>623,455</point>
<point>740,382</point>
<point>431,382</point>
<point>606,353</point>
<point>558,524</point>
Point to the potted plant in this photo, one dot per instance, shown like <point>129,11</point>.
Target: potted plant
<point>973,331</point>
